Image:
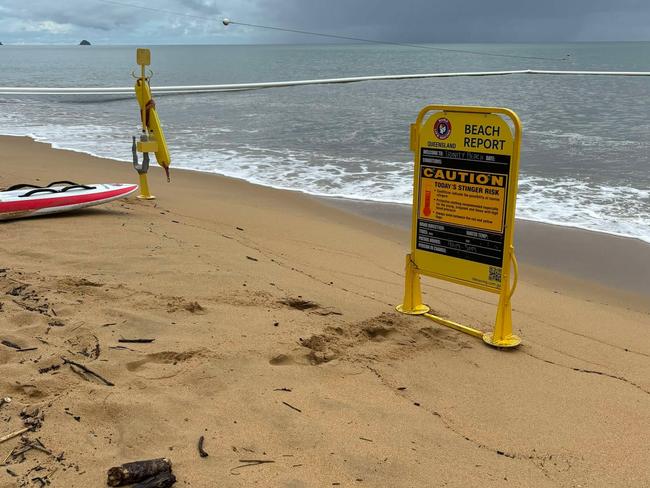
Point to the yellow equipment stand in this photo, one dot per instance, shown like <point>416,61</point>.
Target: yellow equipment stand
<point>145,194</point>
<point>152,138</point>
<point>446,137</point>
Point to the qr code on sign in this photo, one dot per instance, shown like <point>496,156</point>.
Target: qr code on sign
<point>495,274</point>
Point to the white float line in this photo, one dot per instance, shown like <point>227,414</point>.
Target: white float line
<point>187,89</point>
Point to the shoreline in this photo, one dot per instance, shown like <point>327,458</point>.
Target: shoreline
<point>274,335</point>
<point>358,206</point>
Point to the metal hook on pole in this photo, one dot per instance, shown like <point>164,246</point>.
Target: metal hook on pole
<point>142,169</point>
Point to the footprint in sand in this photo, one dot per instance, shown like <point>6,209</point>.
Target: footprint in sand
<point>160,365</point>
<point>281,360</point>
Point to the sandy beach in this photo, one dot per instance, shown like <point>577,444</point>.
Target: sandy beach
<point>276,339</point>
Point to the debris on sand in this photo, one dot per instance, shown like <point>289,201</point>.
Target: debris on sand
<point>143,471</point>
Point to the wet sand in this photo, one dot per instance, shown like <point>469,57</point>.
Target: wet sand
<point>614,262</point>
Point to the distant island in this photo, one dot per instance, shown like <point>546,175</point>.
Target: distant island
<point>84,43</point>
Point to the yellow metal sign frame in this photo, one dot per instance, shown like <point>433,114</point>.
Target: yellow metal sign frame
<point>416,265</point>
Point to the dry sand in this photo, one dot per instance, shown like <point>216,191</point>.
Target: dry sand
<point>276,339</point>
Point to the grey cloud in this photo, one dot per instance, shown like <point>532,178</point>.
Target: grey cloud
<point>391,20</point>
<point>85,14</point>
<point>457,21</point>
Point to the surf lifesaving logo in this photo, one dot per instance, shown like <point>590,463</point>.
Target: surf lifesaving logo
<point>442,128</point>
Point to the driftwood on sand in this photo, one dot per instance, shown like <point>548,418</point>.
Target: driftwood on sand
<point>138,471</point>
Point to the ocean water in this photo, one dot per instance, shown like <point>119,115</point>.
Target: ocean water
<point>586,141</point>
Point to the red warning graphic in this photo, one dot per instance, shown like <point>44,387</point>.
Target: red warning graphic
<point>427,203</point>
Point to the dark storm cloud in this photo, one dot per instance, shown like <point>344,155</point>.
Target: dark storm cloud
<point>468,20</point>
<point>391,20</point>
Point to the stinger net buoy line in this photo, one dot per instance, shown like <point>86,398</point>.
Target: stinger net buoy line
<point>151,138</point>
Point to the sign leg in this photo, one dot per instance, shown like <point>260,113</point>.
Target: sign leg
<point>502,335</point>
<point>144,188</point>
<point>412,304</point>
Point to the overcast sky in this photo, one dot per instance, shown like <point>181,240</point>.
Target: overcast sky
<point>104,22</point>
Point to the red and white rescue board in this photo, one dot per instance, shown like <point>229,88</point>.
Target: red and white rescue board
<point>30,202</point>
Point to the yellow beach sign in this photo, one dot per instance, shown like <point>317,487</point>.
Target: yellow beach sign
<point>464,194</point>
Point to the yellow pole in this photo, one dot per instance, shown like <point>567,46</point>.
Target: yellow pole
<point>412,304</point>
<point>144,188</point>
<point>143,110</point>
<point>455,325</point>
<point>143,57</point>
<point>502,335</point>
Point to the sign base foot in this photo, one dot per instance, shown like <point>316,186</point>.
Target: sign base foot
<point>146,197</point>
<point>507,342</point>
<point>418,310</point>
